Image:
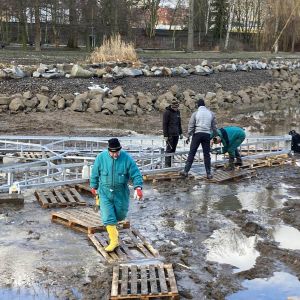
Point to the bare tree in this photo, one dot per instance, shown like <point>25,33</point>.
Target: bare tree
<point>190,41</point>
<point>73,27</point>
<point>231,14</point>
<point>37,40</point>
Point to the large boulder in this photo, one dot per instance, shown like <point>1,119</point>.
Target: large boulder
<point>16,105</point>
<point>44,101</point>
<point>145,102</point>
<point>3,74</point>
<point>117,92</point>
<point>4,100</point>
<point>61,103</point>
<point>96,104</point>
<point>132,72</point>
<point>110,107</point>
<point>78,71</point>
<point>31,103</point>
<point>77,105</point>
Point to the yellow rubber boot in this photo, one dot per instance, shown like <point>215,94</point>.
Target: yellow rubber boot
<point>113,238</point>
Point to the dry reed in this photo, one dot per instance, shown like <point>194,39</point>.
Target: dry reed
<point>114,49</point>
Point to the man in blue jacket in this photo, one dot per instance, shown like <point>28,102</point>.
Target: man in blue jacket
<point>112,170</point>
<point>231,138</point>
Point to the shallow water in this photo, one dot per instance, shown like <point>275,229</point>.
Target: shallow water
<point>287,237</point>
<point>230,246</point>
<point>26,294</point>
<point>279,287</point>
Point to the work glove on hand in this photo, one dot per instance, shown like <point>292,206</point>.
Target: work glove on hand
<point>94,192</point>
<point>181,136</point>
<point>97,203</point>
<point>166,138</point>
<point>187,141</point>
<point>216,151</point>
<point>138,193</point>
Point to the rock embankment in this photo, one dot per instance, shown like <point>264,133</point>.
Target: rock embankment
<point>282,93</point>
<point>111,71</point>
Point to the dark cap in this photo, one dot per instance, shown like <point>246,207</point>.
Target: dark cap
<point>292,132</point>
<point>114,145</point>
<point>201,102</point>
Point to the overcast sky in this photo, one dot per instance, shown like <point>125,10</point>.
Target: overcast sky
<point>171,3</point>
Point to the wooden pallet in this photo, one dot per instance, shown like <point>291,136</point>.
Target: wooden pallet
<point>59,197</point>
<point>221,176</point>
<point>83,188</point>
<point>85,220</point>
<point>144,282</point>
<point>33,155</point>
<point>163,176</point>
<point>271,161</point>
<point>183,157</point>
<point>132,246</point>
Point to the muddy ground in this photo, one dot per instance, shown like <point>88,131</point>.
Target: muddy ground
<point>41,260</point>
<point>48,260</point>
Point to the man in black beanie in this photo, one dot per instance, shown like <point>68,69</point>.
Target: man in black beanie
<point>172,129</point>
<point>201,125</point>
<point>295,145</point>
<point>112,170</point>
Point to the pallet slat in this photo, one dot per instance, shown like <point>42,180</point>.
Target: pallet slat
<point>133,281</point>
<point>124,282</point>
<point>130,247</point>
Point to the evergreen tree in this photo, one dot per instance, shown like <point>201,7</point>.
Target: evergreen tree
<point>219,17</point>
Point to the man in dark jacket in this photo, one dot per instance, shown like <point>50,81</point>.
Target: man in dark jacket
<point>295,146</point>
<point>172,129</point>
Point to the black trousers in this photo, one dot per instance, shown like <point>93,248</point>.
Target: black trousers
<point>171,148</point>
<point>197,139</point>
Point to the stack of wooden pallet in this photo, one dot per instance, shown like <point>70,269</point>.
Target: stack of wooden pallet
<point>140,273</point>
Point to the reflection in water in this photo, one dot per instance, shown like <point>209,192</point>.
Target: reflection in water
<point>257,200</point>
<point>287,236</point>
<point>230,246</point>
<point>279,287</point>
<point>230,202</point>
<point>25,294</point>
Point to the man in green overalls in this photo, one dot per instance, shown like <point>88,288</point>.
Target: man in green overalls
<point>112,170</point>
<point>231,138</point>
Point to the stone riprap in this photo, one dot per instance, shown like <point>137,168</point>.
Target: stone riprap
<point>112,71</point>
<point>271,97</point>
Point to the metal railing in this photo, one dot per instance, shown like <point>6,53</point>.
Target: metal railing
<point>71,154</point>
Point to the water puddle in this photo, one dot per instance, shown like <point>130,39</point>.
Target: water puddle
<point>288,237</point>
<point>251,200</point>
<point>25,294</point>
<point>281,286</point>
<point>230,246</point>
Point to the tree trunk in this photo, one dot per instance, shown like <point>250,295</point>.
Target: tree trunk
<point>190,41</point>
<point>231,11</point>
<point>207,17</point>
<point>22,19</point>
<point>275,46</point>
<point>37,39</point>
<point>72,41</point>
